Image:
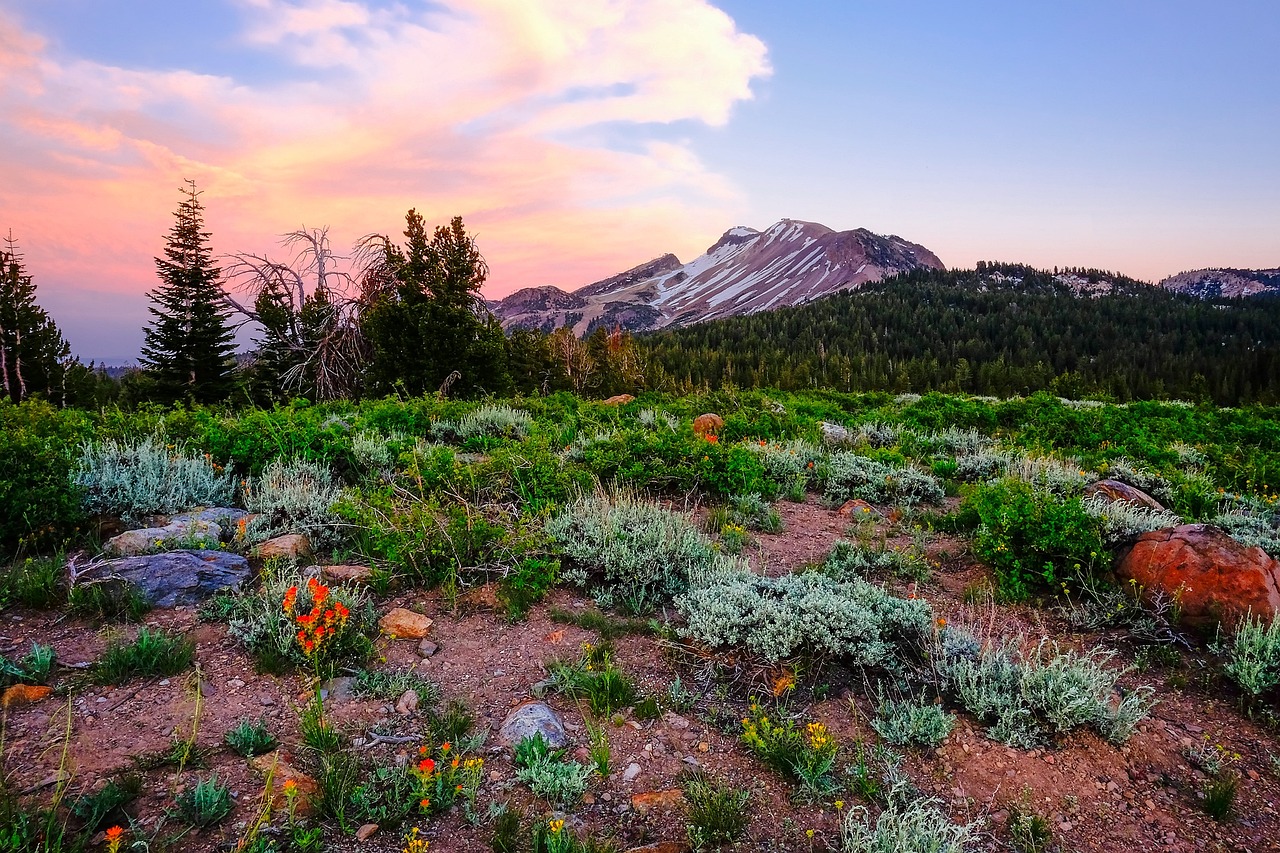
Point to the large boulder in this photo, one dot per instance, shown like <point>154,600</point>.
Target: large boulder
<point>1114,491</point>
<point>177,578</point>
<point>291,547</point>
<point>1214,578</point>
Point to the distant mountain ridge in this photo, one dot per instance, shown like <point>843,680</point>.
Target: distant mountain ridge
<point>744,272</point>
<point>1223,283</point>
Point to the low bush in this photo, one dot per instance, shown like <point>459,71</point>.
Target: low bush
<point>108,600</point>
<point>848,560</point>
<point>250,738</point>
<point>1121,521</point>
<point>205,803</point>
<point>151,653</point>
<point>107,803</point>
<point>487,421</point>
<point>38,444</point>
<point>716,811</point>
<point>548,774</point>
<point>805,755</point>
<point>294,497</point>
<point>848,475</point>
<point>1253,655</point>
<point>809,613</point>
<point>912,722</point>
<point>596,678</point>
<point>389,686</point>
<point>1050,692</point>
<point>32,668</point>
<point>526,584</point>
<point>906,826</point>
<point>266,621</point>
<point>1031,538</point>
<point>641,553</point>
<point>34,582</point>
<point>133,478</point>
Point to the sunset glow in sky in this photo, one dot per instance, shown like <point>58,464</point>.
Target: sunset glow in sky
<point>580,138</point>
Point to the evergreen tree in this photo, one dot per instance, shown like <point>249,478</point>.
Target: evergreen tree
<point>425,318</point>
<point>189,343</point>
<point>33,353</point>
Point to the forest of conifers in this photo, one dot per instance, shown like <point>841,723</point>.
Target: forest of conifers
<point>1000,329</point>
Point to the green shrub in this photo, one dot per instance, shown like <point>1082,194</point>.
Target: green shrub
<point>547,774</point>
<point>294,497</point>
<point>204,803</point>
<point>1122,521</point>
<point>106,804</point>
<point>151,653</point>
<point>755,513</point>
<point>1252,527</point>
<point>38,443</point>
<point>807,756</point>
<point>108,600</point>
<point>1049,692</point>
<point>33,668</point>
<point>1253,655</point>
<point>912,722</point>
<point>849,560</point>
<point>641,553</point>
<point>596,678</point>
<point>808,613</point>
<point>911,826</point>
<point>256,619</point>
<point>133,478</point>
<point>1031,538</point>
<point>848,476</point>
<point>716,811</point>
<point>35,582</point>
<point>527,584</point>
<point>250,738</point>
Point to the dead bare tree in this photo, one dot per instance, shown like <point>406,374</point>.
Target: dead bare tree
<point>309,307</point>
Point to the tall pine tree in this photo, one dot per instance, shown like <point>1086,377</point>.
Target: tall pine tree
<point>189,344</point>
<point>33,353</point>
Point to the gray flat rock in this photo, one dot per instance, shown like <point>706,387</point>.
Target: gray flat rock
<point>175,578</point>
<point>530,719</point>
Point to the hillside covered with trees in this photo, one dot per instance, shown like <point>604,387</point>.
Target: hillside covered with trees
<point>1000,329</point>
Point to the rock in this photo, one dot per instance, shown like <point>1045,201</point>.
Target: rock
<point>664,801</point>
<point>619,400</point>
<point>858,509</point>
<point>427,648</point>
<point>1215,578</point>
<point>1114,490</point>
<point>177,578</point>
<point>338,690</point>
<point>707,424</point>
<point>529,719</point>
<point>275,765</point>
<point>226,517</point>
<point>835,434</point>
<point>366,832</point>
<point>632,771</point>
<point>407,703</point>
<point>145,540</point>
<point>405,624</point>
<point>24,694</point>
<point>346,574</point>
<point>291,546</point>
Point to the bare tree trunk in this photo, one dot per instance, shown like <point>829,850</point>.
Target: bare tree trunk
<point>4,360</point>
<point>17,364</point>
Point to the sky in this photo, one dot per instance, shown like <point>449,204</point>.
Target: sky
<point>578,139</point>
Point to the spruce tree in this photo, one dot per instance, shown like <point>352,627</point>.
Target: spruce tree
<point>33,352</point>
<point>189,344</point>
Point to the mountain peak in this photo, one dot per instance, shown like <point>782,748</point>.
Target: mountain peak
<point>745,271</point>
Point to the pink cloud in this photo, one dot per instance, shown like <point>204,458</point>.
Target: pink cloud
<point>475,107</point>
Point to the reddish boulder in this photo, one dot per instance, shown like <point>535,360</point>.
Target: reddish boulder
<point>858,509</point>
<point>1214,578</point>
<point>619,400</point>
<point>1114,490</point>
<point>707,424</point>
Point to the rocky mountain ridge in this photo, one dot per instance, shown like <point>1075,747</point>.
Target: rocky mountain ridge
<point>743,272</point>
<point>1224,283</point>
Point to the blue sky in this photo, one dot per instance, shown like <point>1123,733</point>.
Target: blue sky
<point>579,139</point>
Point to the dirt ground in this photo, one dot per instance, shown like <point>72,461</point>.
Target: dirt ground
<point>1094,796</point>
